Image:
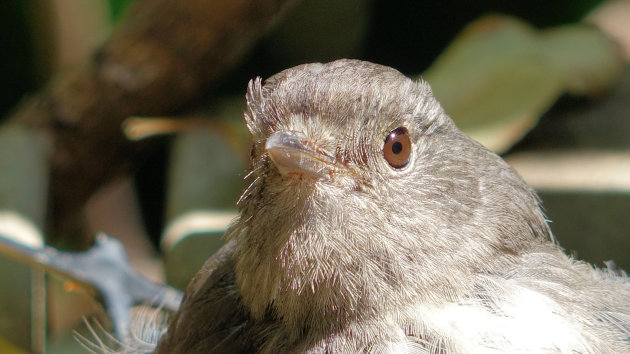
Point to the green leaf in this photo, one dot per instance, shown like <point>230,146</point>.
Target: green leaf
<point>494,81</point>
<point>588,60</point>
<point>118,8</point>
<point>500,75</point>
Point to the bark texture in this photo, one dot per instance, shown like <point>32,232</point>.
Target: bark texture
<point>160,58</point>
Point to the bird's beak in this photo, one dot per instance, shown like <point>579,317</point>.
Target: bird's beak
<point>293,154</point>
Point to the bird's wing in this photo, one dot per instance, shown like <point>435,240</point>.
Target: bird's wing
<point>211,318</point>
<point>211,271</point>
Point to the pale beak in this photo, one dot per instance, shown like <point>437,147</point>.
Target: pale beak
<point>293,154</point>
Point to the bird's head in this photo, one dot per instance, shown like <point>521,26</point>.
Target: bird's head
<point>364,195</point>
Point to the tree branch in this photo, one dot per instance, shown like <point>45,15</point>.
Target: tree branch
<point>160,58</point>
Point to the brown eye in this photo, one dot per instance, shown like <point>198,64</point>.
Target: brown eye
<point>397,148</point>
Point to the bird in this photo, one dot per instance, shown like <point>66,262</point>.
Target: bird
<point>372,224</point>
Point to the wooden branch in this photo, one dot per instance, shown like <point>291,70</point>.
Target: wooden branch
<point>160,58</point>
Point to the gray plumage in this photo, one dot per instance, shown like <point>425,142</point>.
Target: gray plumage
<point>335,250</point>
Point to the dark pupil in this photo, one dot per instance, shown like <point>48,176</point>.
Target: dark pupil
<point>397,148</point>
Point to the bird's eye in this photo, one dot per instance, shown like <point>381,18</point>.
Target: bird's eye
<point>397,148</point>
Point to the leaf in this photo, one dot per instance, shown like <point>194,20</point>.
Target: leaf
<point>118,8</point>
<point>588,60</point>
<point>500,75</point>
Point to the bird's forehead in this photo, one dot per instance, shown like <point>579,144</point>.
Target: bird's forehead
<point>345,97</point>
<point>356,101</point>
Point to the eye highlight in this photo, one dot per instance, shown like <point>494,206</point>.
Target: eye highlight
<point>397,148</point>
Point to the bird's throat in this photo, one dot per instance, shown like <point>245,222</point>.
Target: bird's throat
<point>286,274</point>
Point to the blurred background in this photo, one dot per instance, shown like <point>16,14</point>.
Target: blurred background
<point>125,116</point>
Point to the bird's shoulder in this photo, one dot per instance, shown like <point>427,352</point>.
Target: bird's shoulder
<point>211,318</point>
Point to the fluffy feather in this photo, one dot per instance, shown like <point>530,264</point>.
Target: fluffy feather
<point>449,254</point>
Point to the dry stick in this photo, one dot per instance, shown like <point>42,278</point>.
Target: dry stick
<point>160,58</point>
